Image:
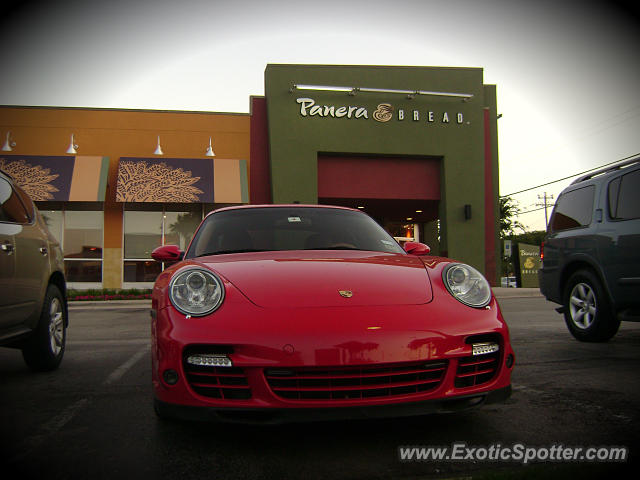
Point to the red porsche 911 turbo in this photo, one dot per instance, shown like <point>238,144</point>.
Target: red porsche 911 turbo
<point>300,312</point>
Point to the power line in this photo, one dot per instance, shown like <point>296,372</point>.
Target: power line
<point>534,210</point>
<point>571,176</point>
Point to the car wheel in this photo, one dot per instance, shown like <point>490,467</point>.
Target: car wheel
<point>587,310</point>
<point>45,348</point>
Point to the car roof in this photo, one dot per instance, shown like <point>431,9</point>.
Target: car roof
<point>608,170</point>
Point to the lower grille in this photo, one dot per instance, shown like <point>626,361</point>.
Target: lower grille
<point>218,382</point>
<point>476,370</point>
<point>356,383</point>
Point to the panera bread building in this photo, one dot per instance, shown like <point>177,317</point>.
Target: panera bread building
<point>414,147</point>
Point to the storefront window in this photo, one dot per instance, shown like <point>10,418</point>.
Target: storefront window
<point>80,236</point>
<point>82,245</point>
<point>83,271</point>
<point>180,227</point>
<point>146,230</point>
<point>141,271</point>
<point>83,234</point>
<point>142,233</point>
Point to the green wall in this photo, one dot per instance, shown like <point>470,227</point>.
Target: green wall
<point>295,140</point>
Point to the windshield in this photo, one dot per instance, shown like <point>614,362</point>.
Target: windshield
<point>289,228</point>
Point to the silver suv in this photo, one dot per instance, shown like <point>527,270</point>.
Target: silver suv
<point>33,307</point>
<point>591,253</point>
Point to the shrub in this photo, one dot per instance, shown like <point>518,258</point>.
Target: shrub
<point>74,295</point>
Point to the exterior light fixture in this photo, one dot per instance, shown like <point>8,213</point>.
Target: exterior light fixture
<point>323,88</point>
<point>73,148</point>
<point>158,148</point>
<point>8,144</point>
<point>467,212</point>
<point>353,90</point>
<point>210,150</point>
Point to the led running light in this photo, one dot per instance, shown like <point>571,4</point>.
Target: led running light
<point>210,360</point>
<point>484,348</point>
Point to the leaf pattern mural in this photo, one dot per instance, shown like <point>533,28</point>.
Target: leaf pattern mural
<point>140,181</point>
<point>35,180</point>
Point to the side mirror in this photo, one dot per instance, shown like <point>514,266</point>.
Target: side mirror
<point>168,254</point>
<point>415,248</point>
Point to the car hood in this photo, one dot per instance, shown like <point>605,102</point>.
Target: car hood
<point>325,278</point>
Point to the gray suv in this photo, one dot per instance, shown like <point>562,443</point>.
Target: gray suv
<point>591,253</point>
<point>33,307</point>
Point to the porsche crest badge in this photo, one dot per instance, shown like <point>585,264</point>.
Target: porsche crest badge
<point>346,293</point>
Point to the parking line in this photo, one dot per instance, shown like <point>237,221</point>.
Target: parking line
<point>53,426</point>
<point>119,372</point>
<point>49,429</point>
<point>56,423</point>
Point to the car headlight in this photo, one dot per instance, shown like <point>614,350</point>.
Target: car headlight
<point>467,285</point>
<point>196,292</point>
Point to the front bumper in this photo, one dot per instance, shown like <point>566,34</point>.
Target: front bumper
<point>276,416</point>
<point>260,340</point>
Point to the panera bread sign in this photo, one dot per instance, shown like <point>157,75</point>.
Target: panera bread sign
<point>384,112</point>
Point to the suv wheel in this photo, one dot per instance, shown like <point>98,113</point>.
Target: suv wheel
<point>587,310</point>
<point>44,350</point>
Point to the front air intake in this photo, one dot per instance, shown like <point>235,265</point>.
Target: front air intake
<point>356,383</point>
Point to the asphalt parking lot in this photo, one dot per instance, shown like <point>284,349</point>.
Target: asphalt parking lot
<point>93,417</point>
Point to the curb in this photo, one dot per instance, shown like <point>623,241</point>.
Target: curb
<point>109,304</point>
<point>501,292</point>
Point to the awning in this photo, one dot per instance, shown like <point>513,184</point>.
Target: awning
<point>182,180</point>
<point>59,179</point>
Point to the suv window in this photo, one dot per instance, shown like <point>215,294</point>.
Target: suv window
<point>11,208</point>
<point>573,209</point>
<point>624,197</point>
<point>26,202</point>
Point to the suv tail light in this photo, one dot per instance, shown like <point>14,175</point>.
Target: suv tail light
<point>542,251</point>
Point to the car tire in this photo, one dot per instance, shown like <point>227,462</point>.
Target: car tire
<point>587,310</point>
<point>45,348</point>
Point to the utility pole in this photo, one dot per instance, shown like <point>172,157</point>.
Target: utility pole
<point>544,197</point>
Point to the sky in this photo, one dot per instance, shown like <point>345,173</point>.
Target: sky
<point>567,72</point>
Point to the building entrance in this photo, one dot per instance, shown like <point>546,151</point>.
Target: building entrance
<point>401,193</point>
